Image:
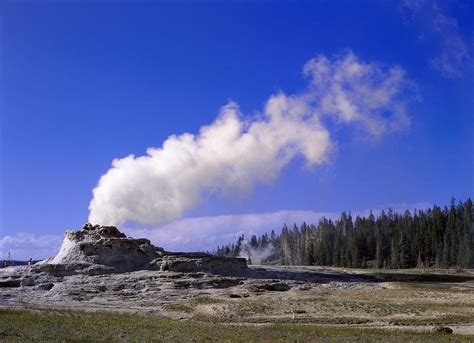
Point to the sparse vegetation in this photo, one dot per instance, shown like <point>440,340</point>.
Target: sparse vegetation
<point>178,308</point>
<point>189,306</point>
<point>205,300</point>
<point>66,325</point>
<point>411,300</point>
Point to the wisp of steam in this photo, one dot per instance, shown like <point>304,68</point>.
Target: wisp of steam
<point>256,255</point>
<point>235,152</point>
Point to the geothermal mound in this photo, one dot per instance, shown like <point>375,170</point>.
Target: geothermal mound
<point>104,249</point>
<point>105,246</point>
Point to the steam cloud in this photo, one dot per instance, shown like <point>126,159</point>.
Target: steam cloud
<point>234,153</point>
<point>256,255</point>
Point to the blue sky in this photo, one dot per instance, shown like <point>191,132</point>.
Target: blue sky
<point>83,83</point>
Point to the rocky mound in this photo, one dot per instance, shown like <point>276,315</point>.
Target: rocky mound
<point>104,245</point>
<point>199,262</point>
<point>104,249</point>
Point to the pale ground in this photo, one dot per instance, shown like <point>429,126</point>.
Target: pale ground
<point>411,305</point>
<point>408,299</point>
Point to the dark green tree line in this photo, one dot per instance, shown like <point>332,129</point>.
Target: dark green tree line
<point>436,237</point>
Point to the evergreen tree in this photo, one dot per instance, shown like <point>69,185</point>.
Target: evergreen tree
<point>433,237</point>
<point>254,242</point>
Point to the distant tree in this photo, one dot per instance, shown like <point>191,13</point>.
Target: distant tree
<point>433,237</point>
<point>254,242</point>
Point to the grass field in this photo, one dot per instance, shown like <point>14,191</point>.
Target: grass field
<point>19,325</point>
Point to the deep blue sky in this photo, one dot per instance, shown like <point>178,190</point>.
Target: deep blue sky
<point>83,83</point>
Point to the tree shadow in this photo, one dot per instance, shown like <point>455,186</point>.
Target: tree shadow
<point>329,275</point>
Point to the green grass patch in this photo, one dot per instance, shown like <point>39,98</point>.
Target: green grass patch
<point>189,306</point>
<point>178,308</point>
<point>72,325</point>
<point>435,320</point>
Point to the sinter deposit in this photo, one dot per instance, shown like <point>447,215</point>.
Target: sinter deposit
<point>104,249</point>
<point>100,267</point>
<point>105,246</point>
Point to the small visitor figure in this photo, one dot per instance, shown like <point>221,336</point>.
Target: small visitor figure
<point>30,262</point>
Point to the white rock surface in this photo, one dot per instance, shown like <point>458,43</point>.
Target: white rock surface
<point>95,246</point>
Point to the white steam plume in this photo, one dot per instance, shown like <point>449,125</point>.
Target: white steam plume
<point>256,255</point>
<point>234,153</point>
